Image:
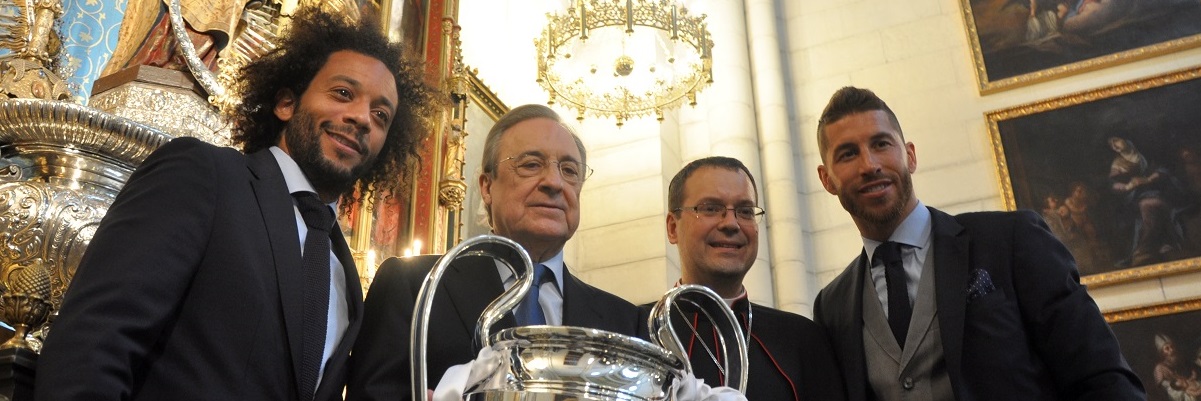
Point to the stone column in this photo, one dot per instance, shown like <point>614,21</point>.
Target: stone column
<point>794,284</point>
<point>724,123</point>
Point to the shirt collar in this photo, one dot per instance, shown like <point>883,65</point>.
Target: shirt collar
<point>914,231</point>
<point>555,264</point>
<point>293,176</point>
<point>729,301</point>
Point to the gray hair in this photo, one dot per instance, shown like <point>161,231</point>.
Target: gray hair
<point>513,117</point>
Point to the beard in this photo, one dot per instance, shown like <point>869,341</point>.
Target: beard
<point>304,146</point>
<point>892,213</point>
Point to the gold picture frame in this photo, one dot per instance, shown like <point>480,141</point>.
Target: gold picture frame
<point>1013,47</point>
<point>1060,157</point>
<point>1162,341</point>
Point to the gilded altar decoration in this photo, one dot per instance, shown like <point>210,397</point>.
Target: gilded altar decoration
<point>261,26</point>
<point>28,34</point>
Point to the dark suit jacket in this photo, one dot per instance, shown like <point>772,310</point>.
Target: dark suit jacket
<point>1037,336</point>
<point>785,352</point>
<point>191,289</point>
<point>379,367</point>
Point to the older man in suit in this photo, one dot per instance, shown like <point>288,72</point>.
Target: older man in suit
<point>533,170</point>
<point>195,286</point>
<point>978,306</point>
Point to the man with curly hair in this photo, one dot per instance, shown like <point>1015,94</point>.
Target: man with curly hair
<point>197,283</point>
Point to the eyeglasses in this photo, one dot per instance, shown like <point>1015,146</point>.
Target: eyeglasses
<point>531,165</point>
<point>712,210</point>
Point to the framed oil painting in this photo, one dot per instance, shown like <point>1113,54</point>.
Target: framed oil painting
<point>1021,42</point>
<point>1115,172</point>
<point>1162,343</point>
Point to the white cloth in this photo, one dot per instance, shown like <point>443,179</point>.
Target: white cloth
<point>454,382</point>
<point>689,388</point>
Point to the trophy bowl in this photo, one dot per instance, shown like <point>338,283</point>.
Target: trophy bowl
<point>564,363</point>
<point>573,363</point>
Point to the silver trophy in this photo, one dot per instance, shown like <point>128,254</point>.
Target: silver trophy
<point>560,363</point>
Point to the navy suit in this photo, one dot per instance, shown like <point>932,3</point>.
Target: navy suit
<point>191,289</point>
<point>380,362</point>
<point>1037,335</point>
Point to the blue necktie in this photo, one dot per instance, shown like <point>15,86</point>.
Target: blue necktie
<point>315,270</point>
<point>530,313</point>
<point>899,310</point>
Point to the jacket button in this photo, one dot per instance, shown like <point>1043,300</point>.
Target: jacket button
<point>908,383</point>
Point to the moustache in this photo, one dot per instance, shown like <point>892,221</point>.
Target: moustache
<point>358,133</point>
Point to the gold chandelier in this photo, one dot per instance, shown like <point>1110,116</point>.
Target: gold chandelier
<point>592,59</point>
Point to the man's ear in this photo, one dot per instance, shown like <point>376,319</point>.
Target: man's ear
<point>825,178</point>
<point>671,228</point>
<point>911,153</point>
<point>486,189</point>
<point>285,104</point>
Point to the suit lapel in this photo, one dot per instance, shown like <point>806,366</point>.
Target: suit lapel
<point>854,347</point>
<point>275,204</point>
<point>951,265</point>
<point>354,288</point>
<point>577,310</point>
<point>471,293</point>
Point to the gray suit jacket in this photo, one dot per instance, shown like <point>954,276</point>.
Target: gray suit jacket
<point>1036,335</point>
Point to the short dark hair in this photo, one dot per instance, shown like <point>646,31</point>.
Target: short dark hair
<point>675,190</point>
<point>311,38</point>
<point>846,101</point>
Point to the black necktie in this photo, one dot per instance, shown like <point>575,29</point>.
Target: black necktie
<point>315,268</point>
<point>899,310</point>
<point>530,313</point>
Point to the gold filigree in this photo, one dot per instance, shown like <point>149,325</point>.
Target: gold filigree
<point>1160,309</point>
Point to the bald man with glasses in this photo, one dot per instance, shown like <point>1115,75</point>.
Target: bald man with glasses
<point>534,169</point>
<point>714,223</point>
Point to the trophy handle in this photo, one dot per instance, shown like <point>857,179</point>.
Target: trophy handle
<point>663,332</point>
<point>484,245</point>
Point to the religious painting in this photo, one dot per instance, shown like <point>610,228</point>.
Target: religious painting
<point>1162,343</point>
<point>1021,42</point>
<point>1115,173</point>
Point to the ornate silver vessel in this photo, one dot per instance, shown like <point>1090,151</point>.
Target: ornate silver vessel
<point>552,363</point>
<point>61,165</point>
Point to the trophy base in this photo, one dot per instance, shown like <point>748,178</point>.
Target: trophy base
<point>17,367</point>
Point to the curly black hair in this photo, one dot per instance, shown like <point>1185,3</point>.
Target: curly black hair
<point>312,36</point>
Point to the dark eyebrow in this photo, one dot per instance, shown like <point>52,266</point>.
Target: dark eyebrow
<point>880,134</point>
<point>842,146</point>
<point>354,83</point>
<point>715,201</point>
